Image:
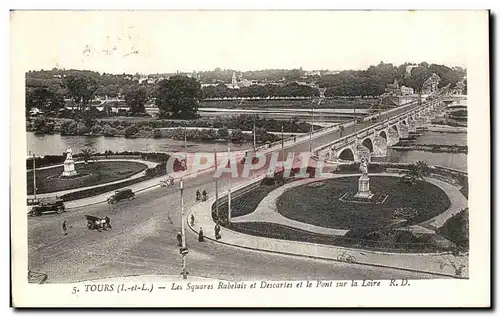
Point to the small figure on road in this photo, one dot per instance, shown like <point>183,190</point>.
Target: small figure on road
<point>294,139</point>
<point>201,238</point>
<point>198,195</point>
<point>217,231</point>
<point>179,239</point>
<point>64,228</point>
<point>192,220</point>
<point>107,222</point>
<point>204,195</point>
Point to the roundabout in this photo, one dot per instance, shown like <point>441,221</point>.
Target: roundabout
<point>49,179</point>
<point>327,206</point>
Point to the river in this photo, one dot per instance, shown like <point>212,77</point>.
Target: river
<point>451,160</point>
<point>57,144</point>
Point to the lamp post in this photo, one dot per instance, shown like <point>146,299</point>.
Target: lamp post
<point>312,127</point>
<point>216,188</point>
<point>34,176</point>
<point>282,145</point>
<point>229,188</point>
<point>183,233</point>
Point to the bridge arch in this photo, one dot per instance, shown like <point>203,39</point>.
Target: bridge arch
<point>383,134</point>
<point>395,128</point>
<point>404,122</point>
<point>368,144</point>
<point>347,155</point>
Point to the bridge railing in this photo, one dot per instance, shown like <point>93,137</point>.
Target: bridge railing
<point>366,131</point>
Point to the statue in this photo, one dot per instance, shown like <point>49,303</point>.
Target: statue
<point>69,165</point>
<point>364,181</point>
<point>363,167</point>
<point>69,155</point>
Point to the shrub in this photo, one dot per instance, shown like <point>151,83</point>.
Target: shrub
<point>456,229</point>
<point>130,131</point>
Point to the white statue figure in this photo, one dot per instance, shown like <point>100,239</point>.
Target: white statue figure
<point>69,164</point>
<point>363,167</point>
<point>69,156</point>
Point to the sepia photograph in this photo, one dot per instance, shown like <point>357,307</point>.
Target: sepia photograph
<point>250,158</point>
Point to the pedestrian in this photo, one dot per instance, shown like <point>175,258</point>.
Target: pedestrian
<point>200,235</point>
<point>217,231</point>
<point>64,228</point>
<point>179,239</point>
<point>294,139</point>
<point>192,220</point>
<point>108,222</point>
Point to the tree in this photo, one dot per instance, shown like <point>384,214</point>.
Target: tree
<point>87,154</point>
<point>179,96</point>
<point>223,133</point>
<point>43,99</point>
<point>416,172</point>
<point>81,89</point>
<point>136,97</point>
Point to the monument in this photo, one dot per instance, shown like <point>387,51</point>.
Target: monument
<point>69,165</point>
<point>364,181</point>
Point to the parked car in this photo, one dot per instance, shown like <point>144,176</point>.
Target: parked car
<point>121,195</point>
<point>56,206</point>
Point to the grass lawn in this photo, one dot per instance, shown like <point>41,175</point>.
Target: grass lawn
<point>406,243</point>
<point>247,203</point>
<point>321,206</point>
<point>95,173</point>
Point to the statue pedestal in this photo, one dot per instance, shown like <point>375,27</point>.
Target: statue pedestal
<point>69,165</point>
<point>364,188</point>
<point>69,168</point>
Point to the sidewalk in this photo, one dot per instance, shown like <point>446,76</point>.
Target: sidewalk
<point>267,210</point>
<point>440,264</point>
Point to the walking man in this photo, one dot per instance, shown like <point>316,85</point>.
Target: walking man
<point>200,235</point>
<point>179,239</point>
<point>217,231</point>
<point>65,228</point>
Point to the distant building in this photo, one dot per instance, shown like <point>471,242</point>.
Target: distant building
<point>313,73</point>
<point>459,88</point>
<point>331,72</point>
<point>431,84</point>
<point>393,89</point>
<point>408,70</point>
<point>406,91</point>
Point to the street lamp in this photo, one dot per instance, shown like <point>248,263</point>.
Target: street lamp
<point>183,249</point>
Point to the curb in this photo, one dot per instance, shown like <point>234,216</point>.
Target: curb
<point>330,259</point>
<point>137,191</point>
<point>326,258</point>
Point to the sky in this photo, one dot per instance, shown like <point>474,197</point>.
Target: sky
<point>169,41</point>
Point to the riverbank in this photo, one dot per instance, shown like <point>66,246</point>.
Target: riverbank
<point>148,127</point>
<point>436,148</point>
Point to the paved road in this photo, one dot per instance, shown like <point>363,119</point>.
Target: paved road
<point>142,241</point>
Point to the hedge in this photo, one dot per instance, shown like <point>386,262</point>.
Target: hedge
<point>48,160</point>
<point>159,170</point>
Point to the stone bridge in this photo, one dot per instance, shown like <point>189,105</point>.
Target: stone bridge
<point>376,138</point>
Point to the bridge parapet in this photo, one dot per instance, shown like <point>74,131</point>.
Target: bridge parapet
<point>413,118</point>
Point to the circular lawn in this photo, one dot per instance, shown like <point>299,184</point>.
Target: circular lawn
<point>320,205</point>
<point>93,173</point>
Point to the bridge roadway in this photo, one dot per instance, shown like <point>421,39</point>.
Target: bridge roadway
<point>142,241</point>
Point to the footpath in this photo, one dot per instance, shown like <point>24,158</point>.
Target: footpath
<point>441,264</point>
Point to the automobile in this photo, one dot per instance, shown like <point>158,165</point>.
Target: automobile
<point>56,206</point>
<point>121,195</point>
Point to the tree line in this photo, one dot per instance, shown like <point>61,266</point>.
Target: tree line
<point>178,96</point>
